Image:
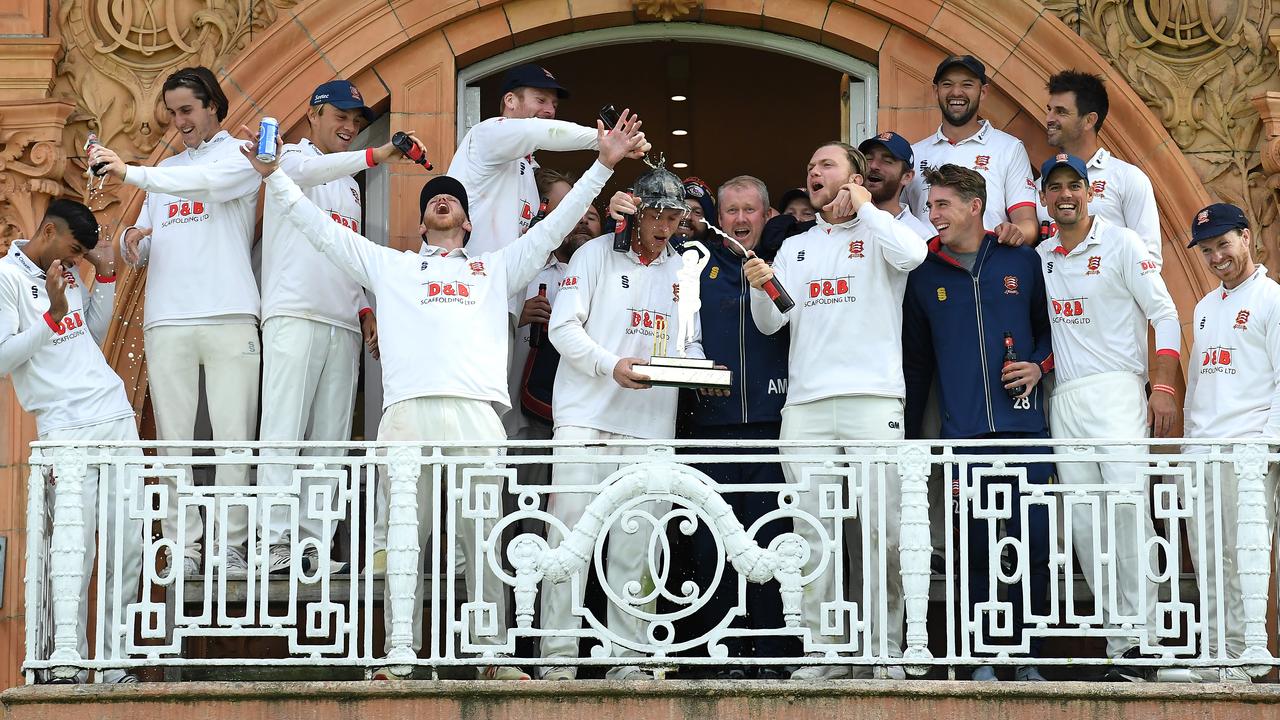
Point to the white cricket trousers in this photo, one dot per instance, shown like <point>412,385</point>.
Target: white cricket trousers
<point>309,373</point>
<point>1110,405</point>
<point>446,419</point>
<point>122,531</point>
<point>849,417</point>
<point>230,355</point>
<point>1232,600</point>
<point>628,552</point>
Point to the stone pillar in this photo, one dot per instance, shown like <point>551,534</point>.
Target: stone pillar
<point>31,163</point>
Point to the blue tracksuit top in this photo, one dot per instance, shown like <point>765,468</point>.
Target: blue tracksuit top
<point>954,322</point>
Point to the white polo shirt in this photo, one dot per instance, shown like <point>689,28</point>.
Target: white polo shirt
<point>1122,194</point>
<point>1232,388</point>
<point>1101,296</point>
<point>997,155</point>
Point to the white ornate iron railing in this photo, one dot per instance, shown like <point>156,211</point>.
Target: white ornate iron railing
<point>326,615</point>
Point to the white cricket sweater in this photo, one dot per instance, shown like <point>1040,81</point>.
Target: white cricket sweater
<point>59,375</point>
<point>494,162</point>
<point>847,281</point>
<point>442,317</point>
<point>1232,388</point>
<point>200,206</point>
<point>297,280</point>
<point>1101,296</point>
<point>612,306</point>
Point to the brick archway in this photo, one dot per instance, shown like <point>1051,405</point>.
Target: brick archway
<point>410,51</point>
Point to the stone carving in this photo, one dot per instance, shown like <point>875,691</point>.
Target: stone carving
<point>666,10</point>
<point>31,160</point>
<point>1197,64</point>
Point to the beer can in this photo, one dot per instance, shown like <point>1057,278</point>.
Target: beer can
<point>268,130</point>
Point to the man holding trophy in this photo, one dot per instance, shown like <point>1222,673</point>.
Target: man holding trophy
<point>624,303</point>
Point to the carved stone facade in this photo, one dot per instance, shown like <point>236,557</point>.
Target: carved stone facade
<point>1204,68</point>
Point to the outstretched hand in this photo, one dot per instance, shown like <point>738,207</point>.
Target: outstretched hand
<point>250,150</point>
<point>624,139</point>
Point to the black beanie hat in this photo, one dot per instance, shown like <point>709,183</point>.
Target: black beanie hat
<point>443,185</point>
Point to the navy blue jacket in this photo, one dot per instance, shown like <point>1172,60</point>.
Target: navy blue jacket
<point>730,337</point>
<point>954,322</point>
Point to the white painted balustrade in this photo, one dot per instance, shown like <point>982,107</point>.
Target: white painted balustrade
<point>323,613</point>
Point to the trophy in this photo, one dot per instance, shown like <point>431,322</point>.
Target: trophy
<point>678,370</point>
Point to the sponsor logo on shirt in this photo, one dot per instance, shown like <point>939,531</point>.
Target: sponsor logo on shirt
<point>855,249</point>
<point>447,291</point>
<point>647,322</point>
<point>829,291</point>
<point>942,294</point>
<point>1070,311</point>
<point>1010,284</point>
<point>1242,320</point>
<point>1095,265</point>
<point>1099,187</point>
<point>71,327</point>
<point>477,267</point>
<point>1146,267</point>
<point>1031,184</point>
<point>715,272</point>
<point>800,256</point>
<point>1217,360</point>
<point>355,195</point>
<point>982,162</point>
<point>184,211</point>
<point>570,282</point>
<point>350,223</point>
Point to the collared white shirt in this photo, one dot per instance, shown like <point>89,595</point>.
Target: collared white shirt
<point>612,306</point>
<point>59,375</point>
<point>1123,195</point>
<point>1232,388</point>
<point>298,281</point>
<point>1101,296</point>
<point>847,282</point>
<point>997,155</point>
<point>200,206</point>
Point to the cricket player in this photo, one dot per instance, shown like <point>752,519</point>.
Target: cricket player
<point>49,333</point>
<point>964,139</point>
<point>615,310</point>
<point>1122,194</point>
<point>447,306</point>
<point>202,300</point>
<point>1103,288</point>
<point>1232,392</point>
<point>847,275</point>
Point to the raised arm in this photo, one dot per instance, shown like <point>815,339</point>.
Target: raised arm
<point>308,170</point>
<point>228,178</point>
<point>767,317</point>
<point>502,140</point>
<point>900,246</point>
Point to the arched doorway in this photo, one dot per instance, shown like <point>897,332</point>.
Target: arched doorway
<point>406,56</point>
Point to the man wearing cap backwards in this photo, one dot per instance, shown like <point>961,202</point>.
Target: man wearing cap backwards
<point>1232,392</point>
<point>495,161</point>
<point>614,310</point>
<point>847,275</point>
<point>445,297</point>
<point>195,232</point>
<point>889,170</point>
<point>1103,289</point>
<point>313,314</point>
<point>961,304</point>
<point>1122,194</point>
<point>963,139</point>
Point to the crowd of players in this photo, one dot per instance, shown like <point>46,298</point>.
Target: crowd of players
<point>913,267</point>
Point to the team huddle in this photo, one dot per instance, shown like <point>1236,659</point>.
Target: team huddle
<point>940,264</point>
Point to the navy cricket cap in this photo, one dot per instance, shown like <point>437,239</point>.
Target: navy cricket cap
<point>1217,219</point>
<point>531,75</point>
<point>344,95</point>
<point>969,62</point>
<point>1064,160</point>
<point>443,185</point>
<point>893,142</point>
